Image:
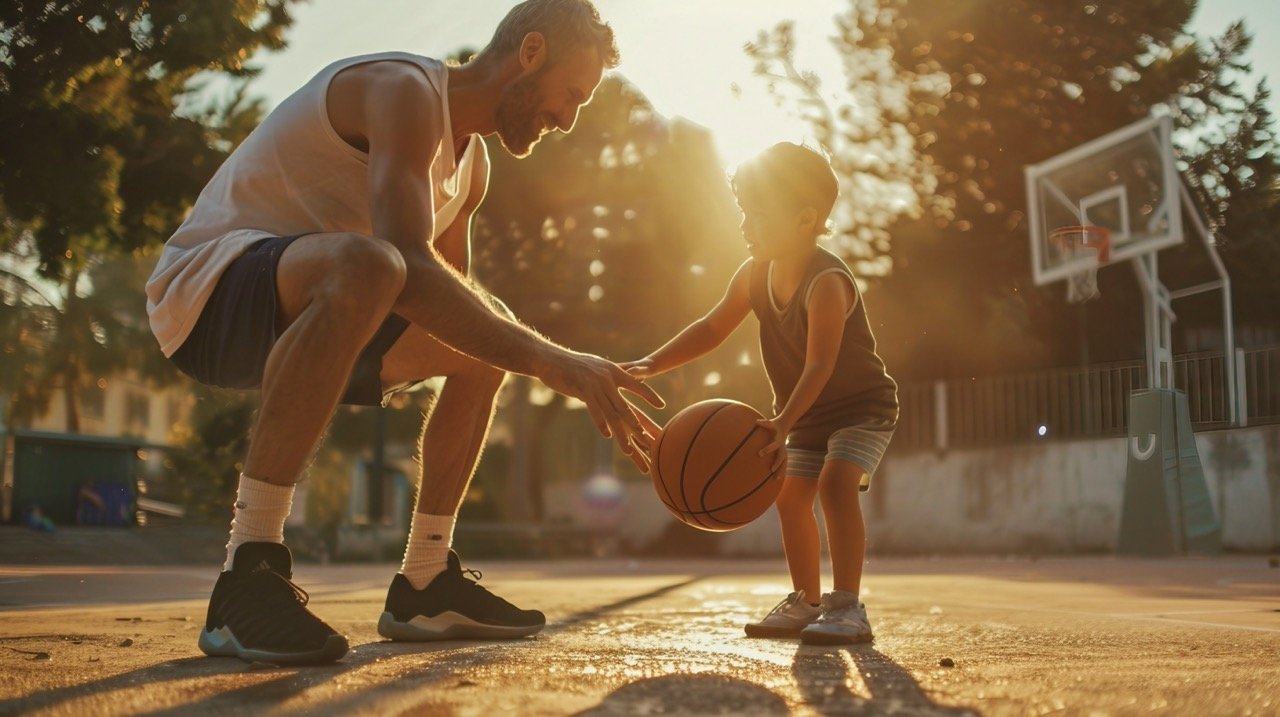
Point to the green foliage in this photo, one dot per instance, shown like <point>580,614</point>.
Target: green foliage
<point>862,125</point>
<point>213,443</point>
<point>609,240</point>
<point>1027,80</point>
<point>615,236</point>
<point>97,163</point>
<point>94,155</point>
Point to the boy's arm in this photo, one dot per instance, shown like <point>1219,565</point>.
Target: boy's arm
<point>702,335</point>
<point>829,305</point>
<point>454,243</point>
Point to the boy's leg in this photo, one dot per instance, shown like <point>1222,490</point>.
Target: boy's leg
<point>838,488</point>
<point>800,534</point>
<point>844,619</point>
<point>800,543</point>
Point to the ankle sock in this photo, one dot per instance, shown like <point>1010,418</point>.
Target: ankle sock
<point>427,553</point>
<point>260,511</point>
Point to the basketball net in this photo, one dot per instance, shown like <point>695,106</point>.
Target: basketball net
<point>1083,242</point>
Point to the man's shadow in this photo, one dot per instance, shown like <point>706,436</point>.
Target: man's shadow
<point>823,675</point>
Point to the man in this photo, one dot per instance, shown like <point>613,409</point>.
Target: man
<point>326,263</point>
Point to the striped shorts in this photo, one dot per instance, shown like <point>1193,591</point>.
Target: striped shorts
<point>862,445</point>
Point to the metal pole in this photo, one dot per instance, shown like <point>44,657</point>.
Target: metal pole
<point>1234,414</point>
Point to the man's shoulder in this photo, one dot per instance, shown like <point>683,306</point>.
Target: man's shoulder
<point>399,69</point>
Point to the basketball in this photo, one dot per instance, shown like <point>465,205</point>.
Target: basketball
<point>707,469</point>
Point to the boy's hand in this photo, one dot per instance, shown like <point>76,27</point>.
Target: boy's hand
<point>778,429</point>
<point>642,368</point>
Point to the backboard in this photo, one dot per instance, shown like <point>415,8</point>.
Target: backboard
<point>1125,181</point>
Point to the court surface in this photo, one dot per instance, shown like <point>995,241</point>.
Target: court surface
<point>1088,636</point>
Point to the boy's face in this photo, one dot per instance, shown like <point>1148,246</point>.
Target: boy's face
<point>773,230</point>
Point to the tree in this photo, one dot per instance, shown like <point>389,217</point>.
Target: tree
<point>864,125</point>
<point>95,155</point>
<point>1231,164</point>
<point>1027,80</point>
<point>607,240</point>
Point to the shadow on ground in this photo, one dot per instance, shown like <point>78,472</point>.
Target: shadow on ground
<point>824,676</point>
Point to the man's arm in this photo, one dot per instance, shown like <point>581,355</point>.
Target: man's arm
<point>404,131</point>
<point>388,108</point>
<point>454,243</point>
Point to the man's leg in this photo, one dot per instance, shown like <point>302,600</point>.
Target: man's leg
<point>432,598</point>
<point>453,436</point>
<point>332,291</point>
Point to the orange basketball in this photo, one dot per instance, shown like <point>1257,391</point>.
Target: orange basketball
<point>707,469</point>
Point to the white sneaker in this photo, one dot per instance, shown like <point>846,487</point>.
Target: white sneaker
<point>786,619</point>
<point>843,621</point>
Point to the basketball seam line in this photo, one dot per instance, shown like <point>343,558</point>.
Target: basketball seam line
<point>702,499</point>
<point>685,463</point>
<point>750,493</point>
<point>657,470</point>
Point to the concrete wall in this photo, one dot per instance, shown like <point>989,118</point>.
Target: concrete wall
<point>1048,497</point>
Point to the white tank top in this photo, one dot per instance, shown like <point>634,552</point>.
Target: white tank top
<point>292,175</point>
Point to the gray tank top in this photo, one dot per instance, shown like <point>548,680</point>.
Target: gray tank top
<point>859,388</point>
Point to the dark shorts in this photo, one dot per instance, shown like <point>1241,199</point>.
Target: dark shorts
<point>231,340</point>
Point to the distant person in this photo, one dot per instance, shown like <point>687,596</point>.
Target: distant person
<point>90,508</point>
<point>35,519</point>
<point>835,406</point>
<point>327,262</point>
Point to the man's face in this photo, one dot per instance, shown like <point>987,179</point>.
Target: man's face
<point>546,100</point>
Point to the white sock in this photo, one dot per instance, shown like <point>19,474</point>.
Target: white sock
<point>427,553</point>
<point>260,511</point>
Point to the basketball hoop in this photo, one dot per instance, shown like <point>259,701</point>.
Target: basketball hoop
<point>1080,242</point>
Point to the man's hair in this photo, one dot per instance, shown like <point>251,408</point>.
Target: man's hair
<point>795,175</point>
<point>566,24</point>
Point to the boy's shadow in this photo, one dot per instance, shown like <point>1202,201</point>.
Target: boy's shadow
<point>823,675</point>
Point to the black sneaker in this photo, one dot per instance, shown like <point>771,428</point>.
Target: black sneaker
<point>256,613</point>
<point>453,606</point>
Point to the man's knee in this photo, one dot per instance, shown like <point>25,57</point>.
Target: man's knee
<point>343,274</point>
<point>365,267</point>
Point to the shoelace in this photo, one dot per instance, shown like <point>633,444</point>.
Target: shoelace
<point>473,577</point>
<point>787,602</point>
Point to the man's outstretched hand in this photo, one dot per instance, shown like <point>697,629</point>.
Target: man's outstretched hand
<point>599,383</point>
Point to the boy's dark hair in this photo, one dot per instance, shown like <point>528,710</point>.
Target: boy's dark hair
<point>566,24</point>
<point>793,174</point>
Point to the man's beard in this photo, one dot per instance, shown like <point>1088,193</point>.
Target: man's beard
<point>517,115</point>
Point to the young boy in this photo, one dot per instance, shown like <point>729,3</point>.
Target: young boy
<point>835,406</point>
